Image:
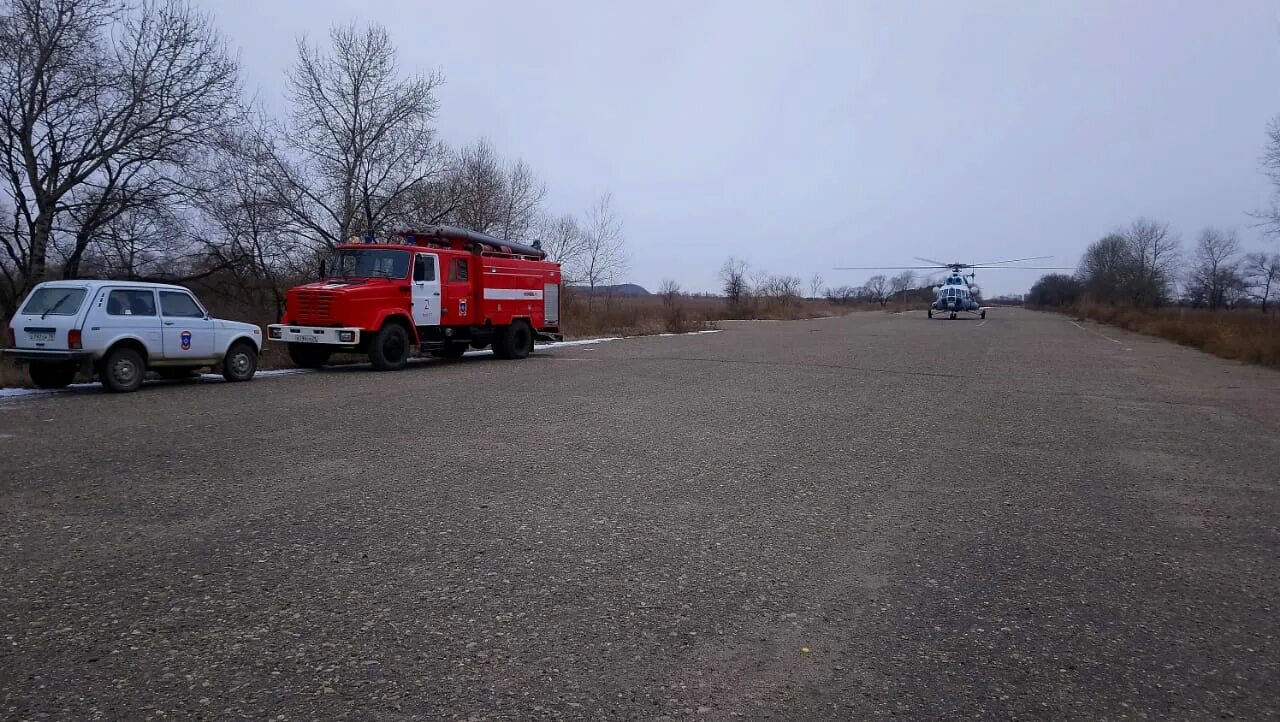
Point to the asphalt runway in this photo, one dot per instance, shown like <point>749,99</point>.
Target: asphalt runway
<point>840,518</point>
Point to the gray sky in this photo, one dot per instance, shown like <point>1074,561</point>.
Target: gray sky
<point>806,135</point>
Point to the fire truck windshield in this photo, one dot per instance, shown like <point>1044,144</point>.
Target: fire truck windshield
<point>373,263</point>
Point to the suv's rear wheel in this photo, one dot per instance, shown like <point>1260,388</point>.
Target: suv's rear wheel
<point>241,362</point>
<point>390,348</point>
<point>308,355</point>
<point>122,370</point>
<point>51,375</point>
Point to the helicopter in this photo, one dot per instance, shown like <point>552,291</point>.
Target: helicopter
<point>957,293</point>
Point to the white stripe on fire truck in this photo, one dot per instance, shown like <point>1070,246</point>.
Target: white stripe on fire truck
<point>512,294</point>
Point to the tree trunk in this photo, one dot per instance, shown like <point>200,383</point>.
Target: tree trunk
<point>72,267</point>
<point>37,265</point>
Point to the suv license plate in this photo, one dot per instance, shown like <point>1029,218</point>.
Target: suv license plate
<point>307,339</point>
<point>41,337</point>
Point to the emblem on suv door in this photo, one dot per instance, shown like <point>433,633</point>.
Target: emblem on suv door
<point>186,340</point>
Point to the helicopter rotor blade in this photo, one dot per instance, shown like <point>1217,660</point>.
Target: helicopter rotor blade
<point>888,268</point>
<point>940,264</point>
<point>1013,260</point>
<point>1025,268</point>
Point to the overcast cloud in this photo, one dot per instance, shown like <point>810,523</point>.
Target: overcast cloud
<point>806,135</point>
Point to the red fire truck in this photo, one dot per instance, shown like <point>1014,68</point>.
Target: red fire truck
<point>440,289</point>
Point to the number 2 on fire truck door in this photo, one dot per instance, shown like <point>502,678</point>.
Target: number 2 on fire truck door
<point>426,290</point>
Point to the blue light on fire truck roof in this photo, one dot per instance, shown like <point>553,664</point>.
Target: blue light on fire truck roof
<point>368,238</point>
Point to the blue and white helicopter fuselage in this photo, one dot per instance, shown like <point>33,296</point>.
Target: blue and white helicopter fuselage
<point>954,296</point>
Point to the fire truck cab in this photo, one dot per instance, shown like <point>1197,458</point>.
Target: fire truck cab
<point>438,290</point>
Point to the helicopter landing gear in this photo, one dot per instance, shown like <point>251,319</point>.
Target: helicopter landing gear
<point>931,313</point>
<point>983,315</point>
<point>953,315</point>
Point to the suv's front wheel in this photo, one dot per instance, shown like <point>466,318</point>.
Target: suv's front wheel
<point>241,362</point>
<point>51,375</point>
<point>122,369</point>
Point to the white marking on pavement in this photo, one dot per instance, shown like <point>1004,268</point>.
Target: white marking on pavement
<point>1099,333</point>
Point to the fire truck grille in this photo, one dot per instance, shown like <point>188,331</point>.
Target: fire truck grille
<point>313,307</point>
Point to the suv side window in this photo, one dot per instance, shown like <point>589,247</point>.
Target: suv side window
<point>458,270</point>
<point>135,302</point>
<point>178,304</point>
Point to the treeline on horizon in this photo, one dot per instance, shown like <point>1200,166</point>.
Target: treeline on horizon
<point>1146,265</point>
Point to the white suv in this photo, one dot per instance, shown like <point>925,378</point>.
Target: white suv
<point>120,329</point>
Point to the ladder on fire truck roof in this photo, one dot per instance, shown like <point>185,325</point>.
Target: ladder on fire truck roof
<point>466,239</point>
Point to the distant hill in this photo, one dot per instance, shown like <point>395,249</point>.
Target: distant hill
<point>622,289</point>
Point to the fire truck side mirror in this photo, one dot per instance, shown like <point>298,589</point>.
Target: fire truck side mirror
<point>322,269</point>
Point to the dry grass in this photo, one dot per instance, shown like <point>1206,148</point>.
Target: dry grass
<point>12,375</point>
<point>1245,334</point>
<point>583,317</point>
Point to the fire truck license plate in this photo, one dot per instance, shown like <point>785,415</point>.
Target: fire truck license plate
<point>307,339</point>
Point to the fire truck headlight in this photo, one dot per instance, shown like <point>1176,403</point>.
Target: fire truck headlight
<point>346,337</point>
<point>275,333</point>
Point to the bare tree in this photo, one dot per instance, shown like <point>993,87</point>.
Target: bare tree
<point>241,226</point>
<point>487,194</point>
<point>1054,289</point>
<point>901,283</point>
<point>140,242</point>
<point>1271,167</point>
<point>359,139</point>
<point>1153,253</point>
<point>1214,275</point>
<point>1262,276</point>
<point>780,290</point>
<point>879,289</point>
<point>102,104</point>
<point>477,188</point>
<point>733,277</point>
<point>565,243</point>
<point>843,294</point>
<point>1135,265</point>
<point>521,198</point>
<point>1104,268</point>
<point>815,285</point>
<point>603,249</point>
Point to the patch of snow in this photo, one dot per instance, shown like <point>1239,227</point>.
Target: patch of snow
<point>581,342</point>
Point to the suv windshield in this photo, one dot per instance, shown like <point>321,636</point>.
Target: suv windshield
<point>54,301</point>
<point>374,263</point>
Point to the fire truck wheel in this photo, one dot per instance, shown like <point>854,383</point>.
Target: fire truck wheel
<point>514,342</point>
<point>453,350</point>
<point>308,356</point>
<point>390,348</point>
